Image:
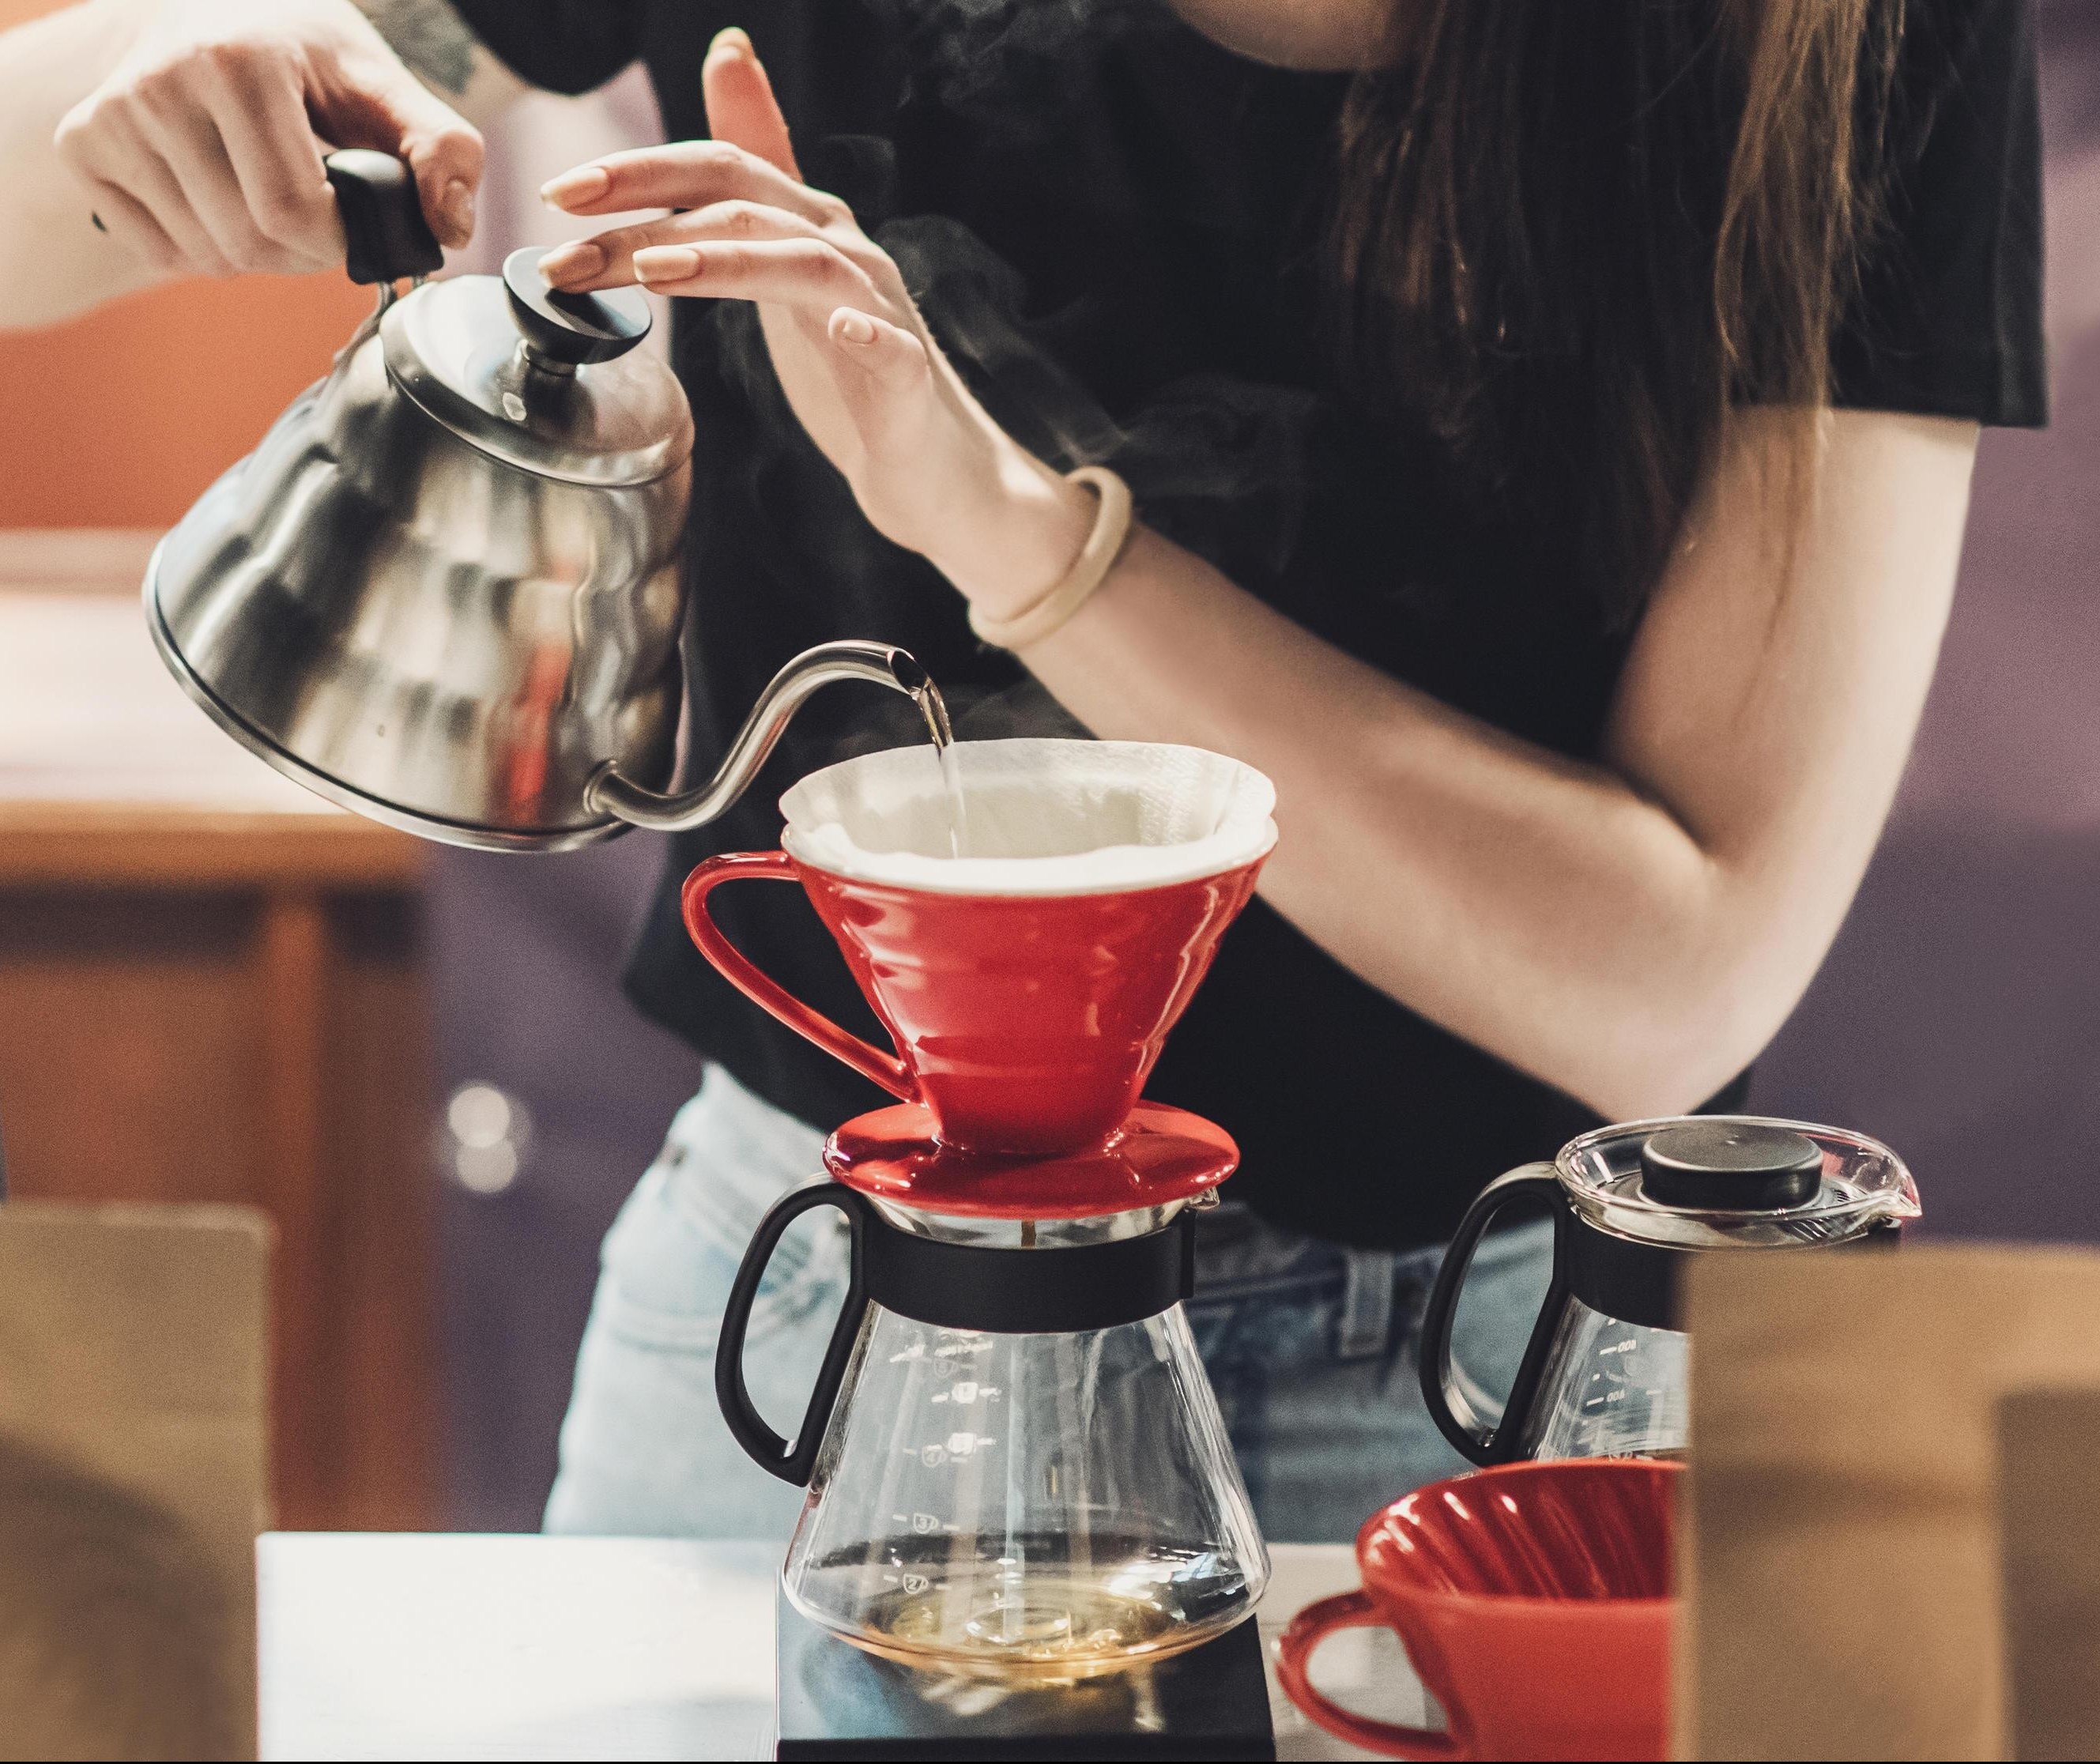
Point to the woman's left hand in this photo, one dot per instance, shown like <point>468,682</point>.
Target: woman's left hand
<point>930,468</point>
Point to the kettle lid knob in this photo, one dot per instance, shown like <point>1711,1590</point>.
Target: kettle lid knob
<point>563,330</point>
<point>1735,1165</point>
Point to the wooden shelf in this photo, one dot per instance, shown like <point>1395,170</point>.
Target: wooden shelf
<point>211,989</point>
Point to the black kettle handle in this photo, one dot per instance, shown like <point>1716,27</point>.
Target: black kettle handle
<point>382,217</point>
<point>1495,1442</point>
<point>766,1447</point>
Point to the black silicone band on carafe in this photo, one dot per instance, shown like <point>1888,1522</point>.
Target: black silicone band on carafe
<point>1058,1291</point>
<point>1643,1282</point>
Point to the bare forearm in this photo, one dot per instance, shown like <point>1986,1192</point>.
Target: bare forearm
<point>1634,930</point>
<point>1538,907</point>
<point>53,261</point>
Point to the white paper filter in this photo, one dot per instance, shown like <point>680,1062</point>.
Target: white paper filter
<point>1040,817</point>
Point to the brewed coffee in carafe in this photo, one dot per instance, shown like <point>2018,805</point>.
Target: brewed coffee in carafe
<point>1016,1464</point>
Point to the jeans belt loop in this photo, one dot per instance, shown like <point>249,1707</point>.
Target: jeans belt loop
<point>1366,1325</point>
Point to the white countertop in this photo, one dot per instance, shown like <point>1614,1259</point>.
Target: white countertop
<point>377,1646</point>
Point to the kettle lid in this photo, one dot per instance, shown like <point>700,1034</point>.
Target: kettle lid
<point>1734,1182</point>
<point>547,382</point>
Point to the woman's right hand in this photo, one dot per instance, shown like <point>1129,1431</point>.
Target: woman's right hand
<point>199,150</point>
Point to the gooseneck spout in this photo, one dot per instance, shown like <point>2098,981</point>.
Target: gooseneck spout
<point>609,793</point>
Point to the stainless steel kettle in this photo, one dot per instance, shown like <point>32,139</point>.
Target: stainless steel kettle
<point>444,591</point>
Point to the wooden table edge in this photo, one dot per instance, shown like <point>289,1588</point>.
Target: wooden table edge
<point>130,845</point>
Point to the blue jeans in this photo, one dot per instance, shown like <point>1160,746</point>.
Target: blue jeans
<point>1311,1346</point>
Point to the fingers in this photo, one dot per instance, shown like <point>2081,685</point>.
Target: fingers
<point>741,107</point>
<point>133,190</point>
<point>687,174</point>
<point>810,275</point>
<point>884,378</point>
<point>877,348</point>
<point>131,224</point>
<point>374,101</point>
<point>122,155</point>
<point>208,190</point>
<point>606,260</point>
<point>206,161</point>
<point>270,142</point>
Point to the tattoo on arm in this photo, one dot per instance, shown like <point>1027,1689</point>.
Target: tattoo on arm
<point>429,37</point>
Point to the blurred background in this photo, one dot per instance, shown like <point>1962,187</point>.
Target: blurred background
<point>417,1059</point>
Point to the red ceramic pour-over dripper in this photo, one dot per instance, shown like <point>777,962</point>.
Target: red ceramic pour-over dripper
<point>1026,1026</point>
<point>1028,996</point>
<point>1534,1601</point>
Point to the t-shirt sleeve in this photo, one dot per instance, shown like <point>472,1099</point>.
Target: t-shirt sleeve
<point>560,46</point>
<point>1947,321</point>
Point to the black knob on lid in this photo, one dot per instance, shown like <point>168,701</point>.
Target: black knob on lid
<point>382,217</point>
<point>571,329</point>
<point>1734,1165</point>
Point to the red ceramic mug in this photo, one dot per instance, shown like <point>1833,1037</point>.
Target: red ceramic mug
<point>1025,1024</point>
<point>1534,1601</point>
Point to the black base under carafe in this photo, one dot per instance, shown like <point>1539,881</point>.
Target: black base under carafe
<point>834,1701</point>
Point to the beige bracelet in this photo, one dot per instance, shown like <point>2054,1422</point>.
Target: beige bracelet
<point>1089,570</point>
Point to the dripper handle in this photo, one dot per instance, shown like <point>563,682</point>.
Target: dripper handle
<point>382,217</point>
<point>1487,1441</point>
<point>761,988</point>
<point>1294,1659</point>
<point>767,1449</point>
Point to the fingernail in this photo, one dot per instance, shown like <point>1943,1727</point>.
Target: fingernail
<point>455,207</point>
<point>667,263</point>
<point>575,261</point>
<point>586,183</point>
<point>856,327</point>
<point>734,40</point>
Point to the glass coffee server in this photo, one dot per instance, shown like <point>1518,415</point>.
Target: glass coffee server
<point>1604,1373</point>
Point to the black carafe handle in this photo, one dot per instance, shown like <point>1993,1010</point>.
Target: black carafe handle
<point>767,1448</point>
<point>1484,1441</point>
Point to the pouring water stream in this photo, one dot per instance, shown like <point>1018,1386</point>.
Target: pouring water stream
<point>935,710</point>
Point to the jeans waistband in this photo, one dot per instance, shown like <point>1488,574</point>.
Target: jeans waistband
<point>1241,1257</point>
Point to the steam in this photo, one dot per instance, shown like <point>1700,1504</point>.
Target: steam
<point>972,56</point>
<point>1218,464</point>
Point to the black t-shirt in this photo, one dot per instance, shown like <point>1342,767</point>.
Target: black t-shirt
<point>1114,226</point>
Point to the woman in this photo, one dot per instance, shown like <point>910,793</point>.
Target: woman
<point>1549,428</point>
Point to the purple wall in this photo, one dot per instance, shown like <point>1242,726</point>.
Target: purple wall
<point>1958,1016</point>
<point>525,952</point>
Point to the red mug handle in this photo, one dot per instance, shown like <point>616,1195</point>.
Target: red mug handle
<point>761,989</point>
<point>1294,1654</point>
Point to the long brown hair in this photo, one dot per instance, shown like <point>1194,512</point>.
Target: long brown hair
<point>1571,235</point>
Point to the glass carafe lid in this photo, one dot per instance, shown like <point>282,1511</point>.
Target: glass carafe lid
<point>1734,1183</point>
